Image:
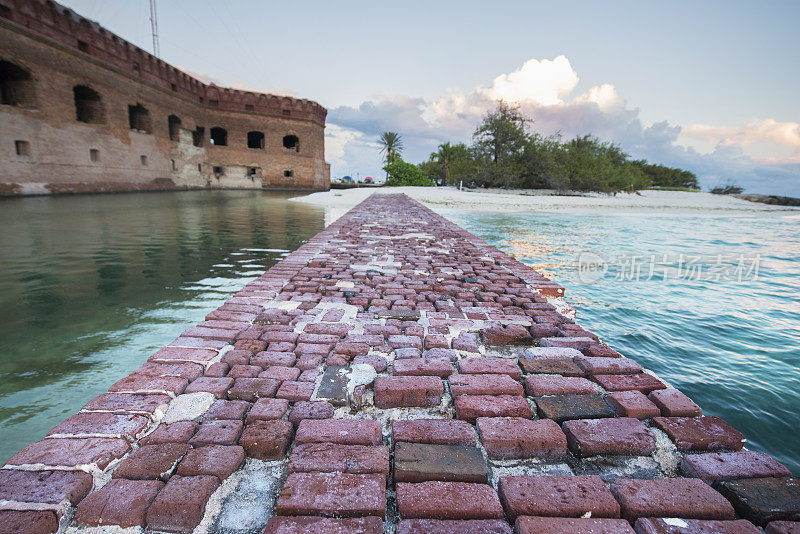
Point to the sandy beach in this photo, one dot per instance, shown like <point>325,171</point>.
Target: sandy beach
<point>443,199</point>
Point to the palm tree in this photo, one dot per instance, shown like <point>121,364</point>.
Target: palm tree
<point>391,145</point>
<point>445,157</point>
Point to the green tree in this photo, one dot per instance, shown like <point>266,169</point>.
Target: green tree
<point>400,173</point>
<point>391,146</point>
<point>502,136</point>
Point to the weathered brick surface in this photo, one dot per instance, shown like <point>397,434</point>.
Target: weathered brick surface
<point>440,367</point>
<point>673,403</point>
<point>323,525</point>
<point>453,526</point>
<point>120,502</point>
<point>783,527</point>
<point>700,433</point>
<point>470,407</point>
<point>716,467</point>
<point>408,391</point>
<point>52,487</point>
<point>640,382</point>
<point>330,457</point>
<point>762,500</point>
<point>624,435</point>
<point>218,460</point>
<point>310,410</point>
<point>484,384</point>
<point>28,522</point>
<point>418,462</point>
<point>151,462</point>
<point>217,432</point>
<point>342,431</point>
<point>438,431</point>
<point>567,525</point>
<point>653,525</point>
<point>333,494</point>
<point>180,432</point>
<point>447,500</point>
<point>180,505</point>
<point>70,452</point>
<point>670,497</point>
<point>515,437</point>
<point>267,440</point>
<point>503,366</point>
<point>566,407</point>
<point>557,496</point>
<point>538,385</point>
<point>551,367</point>
<point>632,404</point>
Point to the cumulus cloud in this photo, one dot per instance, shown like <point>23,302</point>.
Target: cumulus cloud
<point>763,156</point>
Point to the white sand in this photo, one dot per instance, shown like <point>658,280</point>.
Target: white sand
<point>444,199</point>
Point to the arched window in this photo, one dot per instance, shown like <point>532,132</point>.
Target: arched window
<point>139,119</point>
<point>174,127</point>
<point>219,136</point>
<point>88,105</point>
<point>255,139</point>
<point>291,142</point>
<point>16,86</point>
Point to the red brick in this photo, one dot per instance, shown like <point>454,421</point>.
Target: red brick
<point>217,432</point>
<point>267,440</point>
<point>538,385</point>
<point>267,359</point>
<point>714,467</point>
<point>128,403</point>
<point>632,404</point>
<point>515,437</point>
<point>550,367</point>
<point>324,525</point>
<point>295,391</point>
<point>150,384</point>
<point>180,432</point>
<point>470,407</point>
<point>151,462</point>
<point>653,525</point>
<point>211,333</point>
<point>244,371</point>
<point>250,345</point>
<point>169,354</point>
<point>400,342</point>
<point>640,382</point>
<point>320,349</point>
<point>251,389</point>
<point>608,366</point>
<point>602,351</point>
<point>766,499</point>
<point>435,431</point>
<point>623,435</point>
<point>343,431</point>
<point>568,525</point>
<point>17,522</point>
<point>71,452</point>
<point>567,496</point>
<point>189,371</point>
<point>503,366</point>
<point>552,353</point>
<point>331,457</point>
<point>673,403</point>
<point>440,367</point>
<point>780,527</point>
<point>453,526</point>
<point>279,372</point>
<point>218,460</point>
<point>310,410</point>
<point>218,386</point>
<point>408,391</point>
<point>217,370</point>
<point>447,500</point>
<point>700,433</point>
<point>418,462</point>
<point>180,506</point>
<point>688,498</point>
<point>333,494</point>
<point>579,343</point>
<point>97,424</point>
<point>488,384</point>
<point>227,409</point>
<point>309,361</point>
<point>236,357</point>
<point>512,334</point>
<point>120,502</point>
<point>264,409</point>
<point>51,487</point>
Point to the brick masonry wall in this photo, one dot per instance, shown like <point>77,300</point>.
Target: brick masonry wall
<point>48,41</point>
<point>395,373</point>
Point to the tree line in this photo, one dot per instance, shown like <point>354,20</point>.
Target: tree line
<point>505,153</point>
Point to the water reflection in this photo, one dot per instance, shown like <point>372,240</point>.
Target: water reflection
<point>91,285</point>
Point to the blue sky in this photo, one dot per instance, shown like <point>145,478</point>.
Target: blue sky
<point>713,86</point>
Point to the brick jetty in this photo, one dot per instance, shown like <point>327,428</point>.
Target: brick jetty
<point>395,373</point>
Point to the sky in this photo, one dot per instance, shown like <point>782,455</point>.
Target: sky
<point>710,86</point>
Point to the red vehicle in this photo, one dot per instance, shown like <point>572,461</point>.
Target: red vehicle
<point>368,180</point>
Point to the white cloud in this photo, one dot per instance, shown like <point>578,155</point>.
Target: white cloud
<point>544,90</point>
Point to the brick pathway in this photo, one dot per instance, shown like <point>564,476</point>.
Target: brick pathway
<point>395,372</point>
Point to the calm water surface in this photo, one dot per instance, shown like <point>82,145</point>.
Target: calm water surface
<point>731,345</point>
<point>90,286</point>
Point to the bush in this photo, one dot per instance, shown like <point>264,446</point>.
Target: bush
<point>401,173</point>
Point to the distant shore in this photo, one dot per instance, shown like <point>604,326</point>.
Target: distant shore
<point>503,200</point>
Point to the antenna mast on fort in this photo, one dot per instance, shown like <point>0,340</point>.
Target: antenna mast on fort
<point>154,27</point>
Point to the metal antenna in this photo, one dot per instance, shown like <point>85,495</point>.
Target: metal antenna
<point>154,27</point>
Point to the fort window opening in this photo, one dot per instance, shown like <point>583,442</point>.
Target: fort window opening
<point>143,160</point>
<point>249,107</point>
<point>88,105</point>
<point>94,155</point>
<point>287,112</point>
<point>198,136</point>
<point>219,136</point>
<point>139,119</point>
<point>174,164</point>
<point>174,123</point>
<point>291,142</point>
<point>252,172</point>
<point>22,148</point>
<point>219,171</point>
<point>255,139</point>
<point>288,174</point>
<point>16,86</point>
<point>83,46</point>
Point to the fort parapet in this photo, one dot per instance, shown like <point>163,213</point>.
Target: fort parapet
<point>83,110</point>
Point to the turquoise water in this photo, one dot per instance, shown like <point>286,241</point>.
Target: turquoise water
<point>729,341</point>
<point>90,286</point>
